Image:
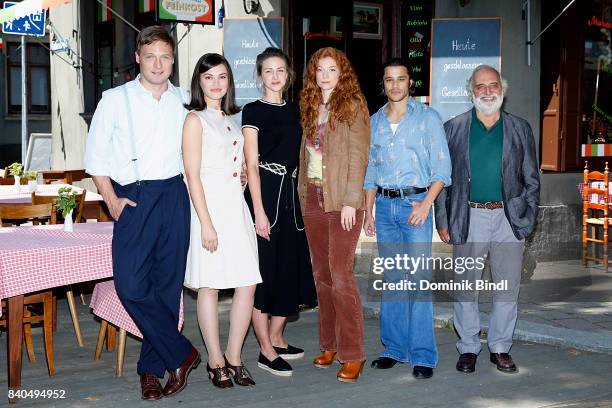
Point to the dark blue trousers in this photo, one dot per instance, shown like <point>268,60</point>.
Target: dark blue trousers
<point>150,244</point>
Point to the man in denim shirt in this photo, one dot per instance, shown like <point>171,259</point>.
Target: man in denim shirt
<point>409,164</point>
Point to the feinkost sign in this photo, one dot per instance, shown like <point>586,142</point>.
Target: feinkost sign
<point>188,11</point>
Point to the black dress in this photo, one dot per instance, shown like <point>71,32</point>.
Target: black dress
<point>284,261</point>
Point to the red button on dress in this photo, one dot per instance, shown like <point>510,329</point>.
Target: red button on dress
<point>234,143</point>
<point>235,174</point>
<point>235,158</point>
<point>229,128</point>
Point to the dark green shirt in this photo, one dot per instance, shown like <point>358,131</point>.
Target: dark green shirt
<point>486,160</point>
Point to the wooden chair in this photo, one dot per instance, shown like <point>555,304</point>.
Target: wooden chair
<point>106,305</point>
<point>595,211</point>
<point>78,217</point>
<point>47,199</point>
<point>9,181</point>
<point>15,215</point>
<point>12,215</point>
<point>63,176</point>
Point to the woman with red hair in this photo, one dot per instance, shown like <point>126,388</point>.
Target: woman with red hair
<point>333,161</point>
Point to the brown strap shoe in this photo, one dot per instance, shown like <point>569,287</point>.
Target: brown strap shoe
<point>150,386</point>
<point>350,371</point>
<point>325,359</point>
<point>504,362</point>
<point>178,377</point>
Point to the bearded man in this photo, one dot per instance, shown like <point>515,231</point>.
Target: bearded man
<point>488,211</point>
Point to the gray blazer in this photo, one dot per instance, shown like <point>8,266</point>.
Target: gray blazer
<point>520,178</point>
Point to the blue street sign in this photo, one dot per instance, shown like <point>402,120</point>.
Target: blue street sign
<point>34,24</point>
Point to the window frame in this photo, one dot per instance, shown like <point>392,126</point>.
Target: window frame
<point>11,109</point>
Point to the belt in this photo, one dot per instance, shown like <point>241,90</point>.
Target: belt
<point>314,182</point>
<point>489,205</point>
<point>400,192</point>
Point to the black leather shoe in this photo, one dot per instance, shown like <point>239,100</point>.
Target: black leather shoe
<point>467,363</point>
<point>504,362</point>
<point>290,352</point>
<point>277,367</point>
<point>421,372</point>
<point>383,363</point>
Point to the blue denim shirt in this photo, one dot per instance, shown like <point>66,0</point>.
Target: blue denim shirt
<point>415,156</point>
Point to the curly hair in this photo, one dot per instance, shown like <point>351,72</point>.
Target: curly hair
<point>346,100</point>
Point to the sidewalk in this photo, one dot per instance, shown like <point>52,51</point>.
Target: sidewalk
<point>561,304</point>
<point>548,376</point>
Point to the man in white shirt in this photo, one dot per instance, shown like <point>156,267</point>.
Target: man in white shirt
<point>134,155</point>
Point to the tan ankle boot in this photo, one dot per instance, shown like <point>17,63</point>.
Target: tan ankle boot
<point>325,359</point>
<point>350,371</point>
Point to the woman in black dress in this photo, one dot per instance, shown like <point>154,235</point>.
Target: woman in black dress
<point>272,133</point>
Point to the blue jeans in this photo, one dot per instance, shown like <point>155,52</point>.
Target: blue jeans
<point>406,316</point>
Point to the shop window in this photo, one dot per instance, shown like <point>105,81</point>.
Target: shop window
<point>596,100</point>
<point>37,77</point>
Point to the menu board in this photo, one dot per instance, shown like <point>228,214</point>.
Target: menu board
<point>416,36</point>
<point>243,40</point>
<point>457,47</point>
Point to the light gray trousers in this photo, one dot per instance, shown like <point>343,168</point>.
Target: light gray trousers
<point>490,235</point>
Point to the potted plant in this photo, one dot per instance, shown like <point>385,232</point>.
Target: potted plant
<point>16,170</point>
<point>30,176</point>
<point>66,203</point>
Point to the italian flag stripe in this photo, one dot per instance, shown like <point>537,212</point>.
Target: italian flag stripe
<point>104,14</point>
<point>146,5</point>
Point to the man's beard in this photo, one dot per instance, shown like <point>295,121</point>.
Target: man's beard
<point>488,108</point>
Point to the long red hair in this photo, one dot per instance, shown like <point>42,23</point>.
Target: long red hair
<point>345,101</point>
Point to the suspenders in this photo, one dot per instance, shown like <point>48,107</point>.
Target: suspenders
<point>131,134</point>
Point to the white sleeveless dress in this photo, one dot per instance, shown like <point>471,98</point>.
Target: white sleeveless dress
<point>235,262</point>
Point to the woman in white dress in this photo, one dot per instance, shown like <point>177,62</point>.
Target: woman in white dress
<point>223,246</point>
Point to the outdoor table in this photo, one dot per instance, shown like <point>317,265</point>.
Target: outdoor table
<point>94,207</point>
<point>42,257</point>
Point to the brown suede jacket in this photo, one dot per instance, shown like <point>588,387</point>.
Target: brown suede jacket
<point>345,159</point>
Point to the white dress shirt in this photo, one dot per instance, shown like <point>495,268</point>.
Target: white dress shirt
<point>158,128</point>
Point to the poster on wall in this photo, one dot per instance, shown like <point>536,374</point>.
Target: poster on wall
<point>186,11</point>
<point>458,46</point>
<point>243,40</point>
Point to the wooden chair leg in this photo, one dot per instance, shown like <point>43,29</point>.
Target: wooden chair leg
<point>101,336</point>
<point>48,332</point>
<point>74,315</point>
<point>54,313</point>
<point>120,352</point>
<point>111,334</point>
<point>27,337</point>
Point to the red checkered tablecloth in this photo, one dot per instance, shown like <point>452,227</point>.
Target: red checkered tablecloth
<point>43,257</point>
<point>593,198</point>
<point>9,194</point>
<point>106,305</point>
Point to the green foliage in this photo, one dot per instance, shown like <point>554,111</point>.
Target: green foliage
<point>29,175</point>
<point>66,200</point>
<point>16,169</point>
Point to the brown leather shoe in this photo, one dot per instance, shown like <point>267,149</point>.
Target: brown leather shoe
<point>178,377</point>
<point>150,386</point>
<point>350,371</point>
<point>504,362</point>
<point>467,363</point>
<point>325,359</point>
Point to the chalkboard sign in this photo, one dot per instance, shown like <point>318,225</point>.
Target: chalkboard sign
<point>459,46</point>
<point>243,40</point>
<point>416,36</point>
